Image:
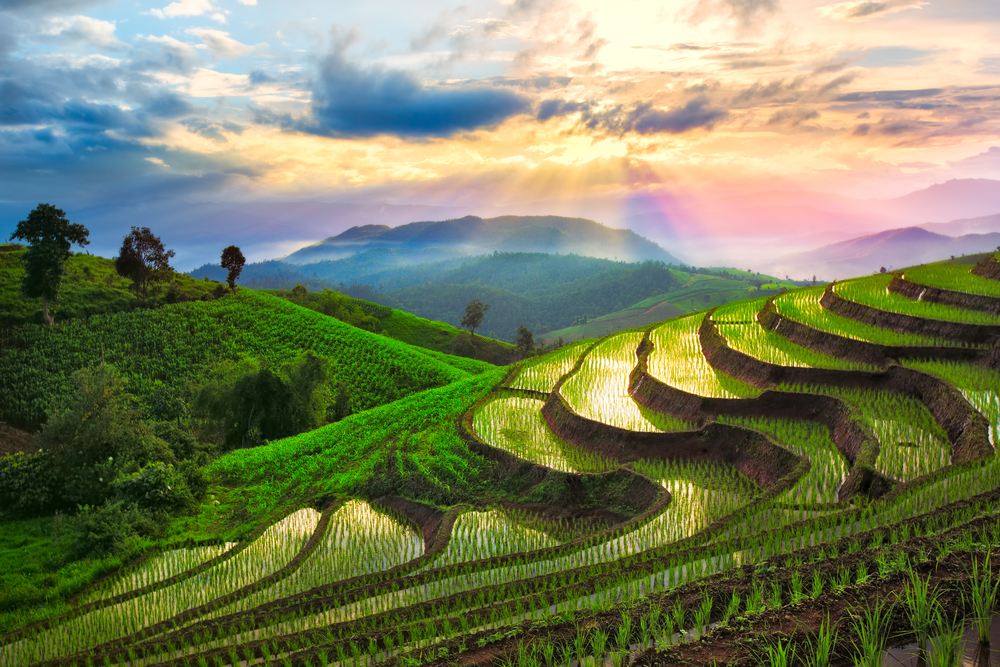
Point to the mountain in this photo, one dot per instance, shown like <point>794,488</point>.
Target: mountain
<point>957,198</point>
<point>982,225</point>
<point>474,235</point>
<point>895,248</point>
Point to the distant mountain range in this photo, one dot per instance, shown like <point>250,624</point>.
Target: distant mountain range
<point>893,249</point>
<point>473,235</point>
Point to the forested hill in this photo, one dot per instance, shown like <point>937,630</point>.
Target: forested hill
<point>509,233</point>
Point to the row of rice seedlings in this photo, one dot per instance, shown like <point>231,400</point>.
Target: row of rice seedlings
<point>912,443</point>
<point>490,533</point>
<point>874,291</point>
<point>516,425</point>
<point>599,389</point>
<point>692,508</point>
<point>358,541</point>
<point>677,360</point>
<point>794,537</point>
<point>771,347</point>
<point>159,568</point>
<point>269,553</point>
<point>739,312</point>
<point>803,306</point>
<point>809,440</point>
<point>542,374</point>
<point>978,384</point>
<point>955,277</point>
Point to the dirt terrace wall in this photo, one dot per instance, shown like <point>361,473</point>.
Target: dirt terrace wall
<point>966,429</point>
<point>957,331</point>
<point>426,518</point>
<point>989,267</point>
<point>918,292</point>
<point>856,350</point>
<point>749,452</point>
<point>632,492</point>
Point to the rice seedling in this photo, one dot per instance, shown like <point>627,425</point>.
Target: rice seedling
<point>599,389</point>
<point>921,606</point>
<point>160,568</point>
<point>676,359</point>
<point>821,646</point>
<point>746,335</point>
<point>874,291</point>
<point>516,425</point>
<point>803,305</point>
<point>983,597</point>
<point>780,654</point>
<point>946,644</point>
<point>871,632</point>
<point>978,384</point>
<point>488,534</point>
<point>543,373</point>
<point>912,443</point>
<point>954,277</point>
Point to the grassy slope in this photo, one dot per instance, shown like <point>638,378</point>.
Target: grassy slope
<point>90,287</point>
<point>696,292</point>
<point>179,344</point>
<point>439,337</point>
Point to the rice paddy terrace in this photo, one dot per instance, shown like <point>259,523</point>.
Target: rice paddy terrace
<point>813,472</point>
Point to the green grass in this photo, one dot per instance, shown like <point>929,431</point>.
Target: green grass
<point>439,337</point>
<point>956,277</point>
<point>37,574</point>
<point>90,286</point>
<point>410,447</point>
<point>180,344</point>
<point>874,291</point>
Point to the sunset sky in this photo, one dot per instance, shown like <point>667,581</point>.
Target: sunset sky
<point>492,104</point>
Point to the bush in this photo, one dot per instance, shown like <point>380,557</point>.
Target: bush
<point>157,487</point>
<point>117,528</point>
<point>26,483</point>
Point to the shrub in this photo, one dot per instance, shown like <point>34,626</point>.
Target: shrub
<point>116,528</point>
<point>26,483</point>
<point>157,486</point>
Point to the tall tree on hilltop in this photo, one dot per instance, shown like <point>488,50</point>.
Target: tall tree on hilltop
<point>143,260</point>
<point>233,261</point>
<point>474,314</point>
<point>49,236</point>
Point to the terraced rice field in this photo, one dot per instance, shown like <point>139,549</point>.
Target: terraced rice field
<point>874,291</point>
<point>760,523</point>
<point>676,360</point>
<point>955,277</point>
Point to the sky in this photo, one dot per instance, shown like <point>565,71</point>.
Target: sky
<point>491,106</point>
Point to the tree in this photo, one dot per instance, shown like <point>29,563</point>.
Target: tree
<point>49,236</point>
<point>474,314</point>
<point>525,341</point>
<point>143,260</point>
<point>233,261</point>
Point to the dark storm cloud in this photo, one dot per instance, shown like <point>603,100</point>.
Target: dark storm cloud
<point>350,101</point>
<point>639,118</point>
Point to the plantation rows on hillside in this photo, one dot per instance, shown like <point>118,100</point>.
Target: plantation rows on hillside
<point>813,473</point>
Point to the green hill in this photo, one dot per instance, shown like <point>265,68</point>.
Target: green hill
<point>177,345</point>
<point>694,291</point>
<point>90,286</point>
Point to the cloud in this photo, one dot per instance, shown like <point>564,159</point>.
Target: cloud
<point>183,8</point>
<point>176,55</point>
<point>220,44</point>
<point>48,6</point>
<point>868,9</point>
<point>75,30</point>
<point>749,15</point>
<point>639,118</point>
<point>351,101</point>
<point>888,95</point>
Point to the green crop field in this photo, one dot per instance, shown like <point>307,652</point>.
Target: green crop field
<point>551,514</point>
